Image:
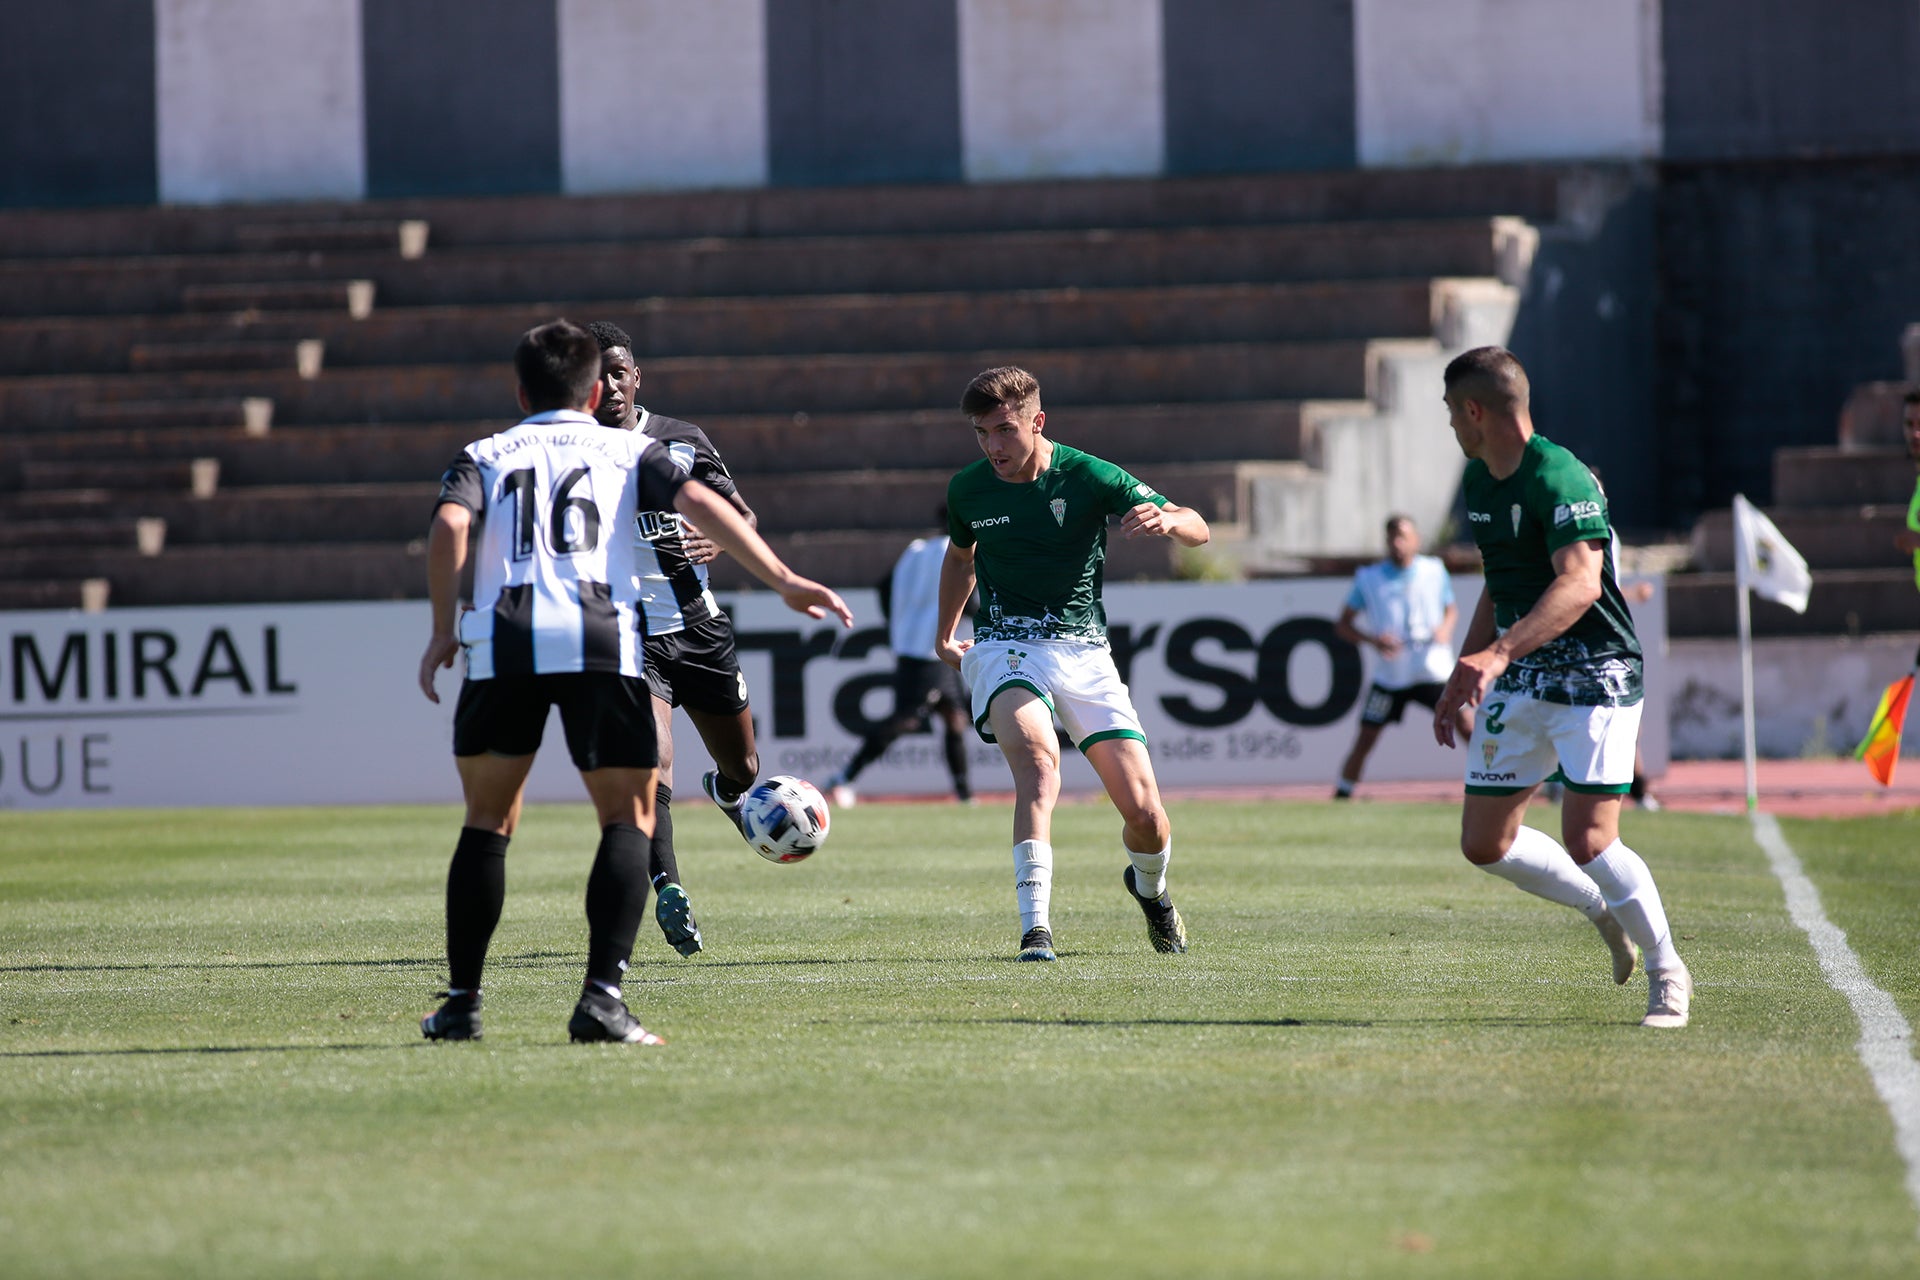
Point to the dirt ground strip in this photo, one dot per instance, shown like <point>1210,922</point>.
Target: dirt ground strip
<point>1787,789</point>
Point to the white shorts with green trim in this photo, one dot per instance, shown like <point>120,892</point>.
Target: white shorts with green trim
<point>1078,682</point>
<point>1520,742</point>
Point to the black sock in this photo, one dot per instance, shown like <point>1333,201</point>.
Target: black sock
<point>729,790</point>
<point>662,866</point>
<point>476,888</point>
<point>1639,788</point>
<point>957,765</point>
<point>616,899</point>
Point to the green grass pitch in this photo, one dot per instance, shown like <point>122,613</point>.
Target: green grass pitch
<point>1375,1061</point>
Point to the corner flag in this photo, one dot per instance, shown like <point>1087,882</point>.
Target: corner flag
<point>1764,561</point>
<point>1881,747</point>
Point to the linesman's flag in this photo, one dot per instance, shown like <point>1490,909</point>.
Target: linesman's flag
<point>1764,561</point>
<point>1881,747</point>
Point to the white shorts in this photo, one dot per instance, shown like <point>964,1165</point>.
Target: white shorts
<point>1520,742</point>
<point>1077,681</point>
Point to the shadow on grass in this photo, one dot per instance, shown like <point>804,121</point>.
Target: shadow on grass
<point>391,962</point>
<point>187,1050</point>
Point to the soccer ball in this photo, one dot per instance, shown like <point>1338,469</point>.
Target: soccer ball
<point>785,818</point>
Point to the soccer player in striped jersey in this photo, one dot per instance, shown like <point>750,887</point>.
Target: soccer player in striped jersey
<point>691,662</point>
<point>548,506</point>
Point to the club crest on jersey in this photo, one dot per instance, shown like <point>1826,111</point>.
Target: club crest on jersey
<point>1487,751</point>
<point>1059,508</point>
<point>1014,660</point>
<point>1516,519</point>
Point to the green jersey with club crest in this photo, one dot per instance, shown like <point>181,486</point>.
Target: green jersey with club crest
<point>1040,547</point>
<point>1551,501</point>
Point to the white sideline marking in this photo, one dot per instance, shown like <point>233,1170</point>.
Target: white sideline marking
<point>1886,1039</point>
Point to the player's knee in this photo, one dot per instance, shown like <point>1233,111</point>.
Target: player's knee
<point>1481,850</point>
<point>1147,823</point>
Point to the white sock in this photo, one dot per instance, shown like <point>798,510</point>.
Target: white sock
<point>1150,870</point>
<point>1633,898</point>
<point>1033,882</point>
<point>1537,863</point>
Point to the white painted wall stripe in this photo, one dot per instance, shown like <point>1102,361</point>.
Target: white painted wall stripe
<point>1061,88</point>
<point>658,94</point>
<point>259,101</point>
<point>1472,81</point>
<point>1886,1038</point>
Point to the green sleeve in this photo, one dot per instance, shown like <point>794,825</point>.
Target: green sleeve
<point>957,527</point>
<point>1122,492</point>
<point>1571,506</point>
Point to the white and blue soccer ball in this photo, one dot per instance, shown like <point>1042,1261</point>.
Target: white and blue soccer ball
<point>785,818</point>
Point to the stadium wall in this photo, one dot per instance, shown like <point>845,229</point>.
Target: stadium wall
<point>191,101</point>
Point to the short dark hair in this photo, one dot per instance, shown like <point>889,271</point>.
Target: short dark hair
<point>1007,385</point>
<point>609,335</point>
<point>1912,396</point>
<point>1492,376</point>
<point>1397,519</point>
<point>558,364</point>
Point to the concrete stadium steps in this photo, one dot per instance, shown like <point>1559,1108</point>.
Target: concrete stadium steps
<point>267,513</point>
<point>354,298</point>
<point>848,558</point>
<point>64,528</point>
<point>1832,476</point>
<point>84,595</point>
<point>704,386</point>
<point>293,455</point>
<point>252,414</point>
<point>710,266</point>
<point>754,444</point>
<point>1857,537</point>
<point>1873,414</point>
<point>679,327</point>
<point>898,499</point>
<point>1843,602</point>
<point>253,573</point>
<point>1535,192</point>
<point>198,476</point>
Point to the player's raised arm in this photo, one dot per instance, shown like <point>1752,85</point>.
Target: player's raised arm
<point>956,588</point>
<point>724,525</point>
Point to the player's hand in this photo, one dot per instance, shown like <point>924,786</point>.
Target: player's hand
<point>951,651</point>
<point>1907,540</point>
<point>699,547</point>
<point>806,596</point>
<point>441,651</point>
<point>1472,677</point>
<point>1146,521</point>
<point>1388,646</point>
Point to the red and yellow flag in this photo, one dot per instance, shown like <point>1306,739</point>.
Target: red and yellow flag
<point>1881,747</point>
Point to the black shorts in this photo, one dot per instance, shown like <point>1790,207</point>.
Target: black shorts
<point>608,718</point>
<point>920,684</point>
<point>1383,705</point>
<point>696,667</point>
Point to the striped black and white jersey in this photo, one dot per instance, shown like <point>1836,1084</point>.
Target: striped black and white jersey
<point>554,582</point>
<point>673,590</point>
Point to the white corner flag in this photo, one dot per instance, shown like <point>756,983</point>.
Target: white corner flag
<point>1764,561</point>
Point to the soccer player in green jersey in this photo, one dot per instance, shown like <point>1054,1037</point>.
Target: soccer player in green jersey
<point>1552,664</point>
<point>1909,540</point>
<point>1029,524</point>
